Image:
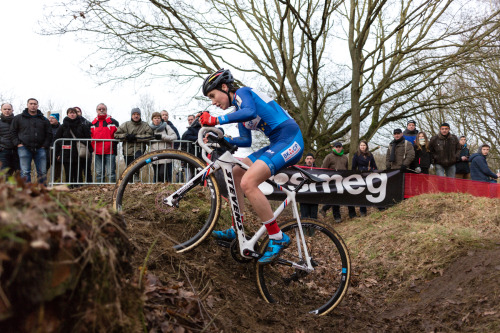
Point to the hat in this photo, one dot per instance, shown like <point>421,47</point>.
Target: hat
<point>55,115</point>
<point>337,143</point>
<point>134,110</point>
<point>397,131</point>
<point>445,124</point>
<point>310,154</point>
<point>411,122</point>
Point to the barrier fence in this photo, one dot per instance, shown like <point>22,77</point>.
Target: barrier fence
<point>68,167</point>
<point>105,169</point>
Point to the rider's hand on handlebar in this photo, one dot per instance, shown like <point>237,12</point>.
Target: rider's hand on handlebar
<point>207,120</point>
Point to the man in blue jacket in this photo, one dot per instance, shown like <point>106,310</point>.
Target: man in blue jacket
<point>479,167</point>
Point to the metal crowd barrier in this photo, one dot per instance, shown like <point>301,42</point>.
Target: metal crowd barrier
<point>93,169</point>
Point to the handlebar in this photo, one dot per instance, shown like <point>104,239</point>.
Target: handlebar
<point>219,140</point>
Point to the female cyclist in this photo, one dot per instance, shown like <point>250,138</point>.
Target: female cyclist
<point>255,110</point>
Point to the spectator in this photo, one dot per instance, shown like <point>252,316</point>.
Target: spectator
<point>103,128</point>
<point>164,118</point>
<point>479,169</point>
<point>136,133</point>
<point>6,139</point>
<point>54,126</point>
<point>165,133</point>
<point>400,153</point>
<point>337,161</point>
<point>309,210</point>
<point>422,161</point>
<point>67,150</point>
<point>410,133</point>
<point>362,161</point>
<point>86,163</point>
<point>462,167</point>
<point>82,118</point>
<point>32,137</point>
<point>191,134</point>
<point>445,151</point>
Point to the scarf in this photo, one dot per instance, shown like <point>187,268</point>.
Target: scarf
<point>394,143</point>
<point>338,154</point>
<point>158,128</point>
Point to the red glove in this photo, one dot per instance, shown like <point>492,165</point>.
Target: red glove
<point>207,119</point>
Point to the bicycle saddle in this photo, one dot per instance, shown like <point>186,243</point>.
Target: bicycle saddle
<point>311,178</point>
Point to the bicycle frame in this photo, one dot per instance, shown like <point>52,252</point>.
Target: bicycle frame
<point>226,162</point>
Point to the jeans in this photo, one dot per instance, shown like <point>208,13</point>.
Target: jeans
<point>39,155</point>
<point>105,165</point>
<point>160,172</point>
<point>7,160</point>
<point>352,211</point>
<point>309,210</point>
<point>450,171</point>
<point>335,209</point>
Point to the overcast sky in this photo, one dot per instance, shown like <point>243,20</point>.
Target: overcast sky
<point>52,70</point>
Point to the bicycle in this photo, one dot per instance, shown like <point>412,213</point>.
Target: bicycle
<point>313,272</point>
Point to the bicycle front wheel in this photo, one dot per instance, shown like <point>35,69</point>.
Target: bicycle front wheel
<point>144,184</point>
<point>317,292</point>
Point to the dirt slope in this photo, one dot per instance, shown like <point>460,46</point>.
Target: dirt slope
<point>430,264</point>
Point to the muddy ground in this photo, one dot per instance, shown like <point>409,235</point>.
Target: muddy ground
<point>462,296</point>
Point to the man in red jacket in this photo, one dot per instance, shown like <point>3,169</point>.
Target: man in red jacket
<point>103,129</point>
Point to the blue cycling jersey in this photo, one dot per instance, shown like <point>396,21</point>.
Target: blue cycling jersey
<point>254,111</point>
<point>257,111</point>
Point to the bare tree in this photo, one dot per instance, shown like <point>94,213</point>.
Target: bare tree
<point>396,50</point>
<point>147,105</point>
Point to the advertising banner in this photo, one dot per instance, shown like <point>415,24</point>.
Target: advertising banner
<point>380,189</point>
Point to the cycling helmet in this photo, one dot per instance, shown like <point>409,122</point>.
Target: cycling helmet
<point>215,80</point>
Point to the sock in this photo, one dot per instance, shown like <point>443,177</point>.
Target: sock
<point>273,229</point>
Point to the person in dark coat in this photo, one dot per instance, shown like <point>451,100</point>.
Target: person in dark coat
<point>87,172</point>
<point>191,134</point>
<point>362,161</point>
<point>67,150</point>
<point>479,169</point>
<point>54,126</point>
<point>423,158</point>
<point>445,151</point>
<point>6,139</point>
<point>462,166</point>
<point>309,210</point>
<point>32,137</point>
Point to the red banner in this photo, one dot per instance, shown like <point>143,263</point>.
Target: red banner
<point>416,184</point>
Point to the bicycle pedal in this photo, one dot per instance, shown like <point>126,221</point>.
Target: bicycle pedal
<point>223,243</point>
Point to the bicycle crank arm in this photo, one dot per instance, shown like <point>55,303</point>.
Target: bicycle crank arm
<point>293,265</point>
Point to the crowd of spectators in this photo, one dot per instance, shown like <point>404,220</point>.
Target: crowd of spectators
<point>412,151</point>
<point>28,138</point>
<point>50,142</point>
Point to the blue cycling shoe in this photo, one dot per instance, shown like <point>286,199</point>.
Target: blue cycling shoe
<point>226,235</point>
<point>274,248</point>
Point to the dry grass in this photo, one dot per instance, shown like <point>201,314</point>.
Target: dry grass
<point>420,237</point>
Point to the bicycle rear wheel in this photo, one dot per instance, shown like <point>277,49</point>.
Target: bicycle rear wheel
<point>141,188</point>
<point>317,292</point>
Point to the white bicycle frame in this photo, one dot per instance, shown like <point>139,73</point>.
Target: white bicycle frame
<point>226,162</point>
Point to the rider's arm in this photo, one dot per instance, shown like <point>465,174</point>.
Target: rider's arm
<point>247,109</point>
<point>245,138</point>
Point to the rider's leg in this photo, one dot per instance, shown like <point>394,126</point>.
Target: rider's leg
<point>238,175</point>
<point>254,176</point>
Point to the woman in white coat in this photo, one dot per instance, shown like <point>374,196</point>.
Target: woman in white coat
<point>165,136</point>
